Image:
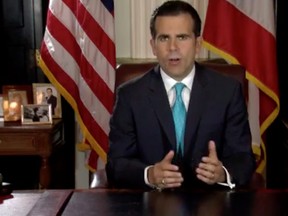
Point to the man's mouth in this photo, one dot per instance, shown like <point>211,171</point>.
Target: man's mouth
<point>174,60</point>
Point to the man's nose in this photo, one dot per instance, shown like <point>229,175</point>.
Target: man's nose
<point>173,45</point>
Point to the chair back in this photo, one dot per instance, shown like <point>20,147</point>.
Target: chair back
<point>127,71</point>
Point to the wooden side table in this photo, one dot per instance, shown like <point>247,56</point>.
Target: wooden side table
<point>41,140</point>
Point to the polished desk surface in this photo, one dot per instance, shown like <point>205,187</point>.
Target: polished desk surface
<point>125,202</point>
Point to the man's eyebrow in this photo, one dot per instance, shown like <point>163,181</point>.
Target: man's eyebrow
<point>163,35</point>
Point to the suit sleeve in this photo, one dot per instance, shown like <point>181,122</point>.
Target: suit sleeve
<point>123,167</point>
<point>238,157</point>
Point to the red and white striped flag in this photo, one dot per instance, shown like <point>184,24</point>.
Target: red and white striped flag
<point>78,57</point>
<point>243,32</point>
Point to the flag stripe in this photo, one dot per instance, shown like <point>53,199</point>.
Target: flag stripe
<point>247,7</point>
<point>239,31</point>
<point>72,88</point>
<point>246,53</point>
<point>69,43</point>
<point>72,25</point>
<point>101,40</point>
<point>78,57</point>
<point>104,14</point>
<point>72,69</point>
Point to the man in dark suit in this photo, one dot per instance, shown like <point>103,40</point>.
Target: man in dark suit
<point>51,99</point>
<point>35,117</point>
<point>143,151</point>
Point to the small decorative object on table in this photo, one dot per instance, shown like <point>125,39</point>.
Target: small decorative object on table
<point>5,187</point>
<point>36,114</point>
<point>13,97</point>
<point>46,93</point>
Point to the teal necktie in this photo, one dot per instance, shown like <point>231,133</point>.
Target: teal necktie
<point>179,116</point>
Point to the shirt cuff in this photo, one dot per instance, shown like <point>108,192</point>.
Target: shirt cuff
<point>228,180</point>
<point>146,177</point>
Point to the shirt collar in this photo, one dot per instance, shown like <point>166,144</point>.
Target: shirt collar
<point>169,82</point>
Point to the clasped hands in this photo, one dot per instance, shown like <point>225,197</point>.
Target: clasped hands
<point>164,174</point>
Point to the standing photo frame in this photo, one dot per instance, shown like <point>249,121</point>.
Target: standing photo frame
<point>1,108</point>
<point>36,114</point>
<point>46,93</point>
<point>27,88</point>
<point>13,97</point>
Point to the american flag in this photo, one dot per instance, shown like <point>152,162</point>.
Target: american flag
<point>78,57</point>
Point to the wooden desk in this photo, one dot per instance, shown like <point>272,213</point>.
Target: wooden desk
<point>19,203</point>
<point>217,203</point>
<point>125,202</point>
<point>34,203</point>
<point>41,140</point>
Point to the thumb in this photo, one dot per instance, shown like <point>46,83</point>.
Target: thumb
<point>212,149</point>
<point>168,157</point>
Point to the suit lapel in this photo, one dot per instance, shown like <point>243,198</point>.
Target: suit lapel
<point>196,106</point>
<point>160,103</point>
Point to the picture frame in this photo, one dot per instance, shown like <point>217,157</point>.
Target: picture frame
<point>13,97</point>
<point>36,114</point>
<point>26,88</point>
<point>1,108</point>
<point>46,93</point>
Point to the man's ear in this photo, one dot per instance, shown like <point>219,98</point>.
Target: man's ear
<point>199,40</point>
<point>153,46</point>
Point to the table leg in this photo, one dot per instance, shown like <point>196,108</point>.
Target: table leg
<point>44,173</point>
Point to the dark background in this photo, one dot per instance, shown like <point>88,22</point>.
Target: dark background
<point>277,134</point>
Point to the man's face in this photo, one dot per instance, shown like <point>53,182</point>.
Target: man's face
<point>49,92</point>
<point>175,44</point>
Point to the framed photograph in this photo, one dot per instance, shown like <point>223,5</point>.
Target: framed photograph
<point>27,88</point>
<point>13,97</point>
<point>36,114</point>
<point>1,108</point>
<point>46,93</point>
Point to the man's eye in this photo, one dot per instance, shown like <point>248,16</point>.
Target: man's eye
<point>163,38</point>
<point>183,37</point>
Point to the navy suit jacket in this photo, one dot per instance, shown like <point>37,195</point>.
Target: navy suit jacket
<point>142,129</point>
<point>53,101</point>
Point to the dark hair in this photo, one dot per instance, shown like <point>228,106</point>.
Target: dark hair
<point>174,8</point>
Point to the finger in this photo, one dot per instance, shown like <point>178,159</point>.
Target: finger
<point>168,157</point>
<point>205,172</point>
<point>205,176</point>
<point>173,185</point>
<point>164,166</point>
<point>212,150</point>
<point>171,182</point>
<point>206,179</point>
<point>167,164</point>
<point>207,166</point>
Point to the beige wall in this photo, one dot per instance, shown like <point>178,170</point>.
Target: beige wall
<point>122,28</point>
<point>132,33</point>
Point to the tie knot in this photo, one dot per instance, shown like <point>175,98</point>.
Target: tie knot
<point>179,87</point>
